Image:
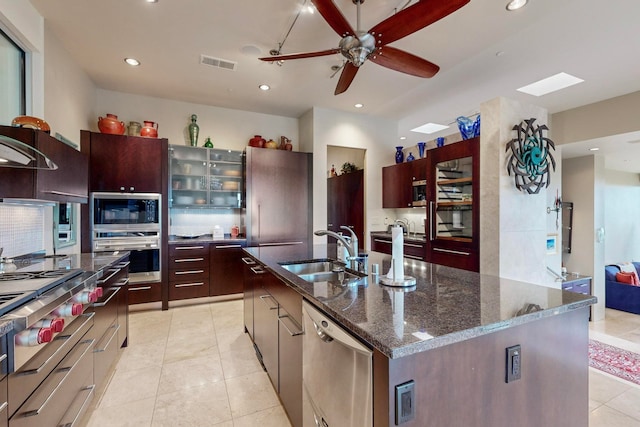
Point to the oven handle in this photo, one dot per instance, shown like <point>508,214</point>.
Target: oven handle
<point>33,412</point>
<point>106,279</point>
<point>115,289</point>
<point>89,317</point>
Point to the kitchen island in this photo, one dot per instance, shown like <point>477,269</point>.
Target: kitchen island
<point>450,335</point>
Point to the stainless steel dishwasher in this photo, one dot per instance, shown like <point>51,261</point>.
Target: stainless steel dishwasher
<point>336,374</point>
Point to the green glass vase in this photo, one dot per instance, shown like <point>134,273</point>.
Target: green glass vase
<point>194,130</point>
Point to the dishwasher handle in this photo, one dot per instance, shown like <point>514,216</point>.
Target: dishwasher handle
<point>329,331</point>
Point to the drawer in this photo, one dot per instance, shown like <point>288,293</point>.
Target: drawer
<point>186,262</point>
<point>189,250</point>
<point>189,274</point>
<point>381,245</point>
<point>138,293</point>
<point>105,353</point>
<point>188,289</point>
<point>414,250</point>
<point>106,310</point>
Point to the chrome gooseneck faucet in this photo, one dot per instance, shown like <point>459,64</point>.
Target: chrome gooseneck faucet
<point>356,262</point>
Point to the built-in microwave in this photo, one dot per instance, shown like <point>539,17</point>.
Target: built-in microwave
<point>126,210</point>
<point>420,193</point>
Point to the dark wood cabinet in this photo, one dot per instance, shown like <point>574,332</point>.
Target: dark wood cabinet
<point>188,270</point>
<point>397,182</point>
<point>453,205</point>
<point>345,203</point>
<point>226,269</point>
<point>120,163</point>
<point>67,183</point>
<point>412,248</point>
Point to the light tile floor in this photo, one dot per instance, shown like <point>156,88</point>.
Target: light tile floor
<point>194,366</point>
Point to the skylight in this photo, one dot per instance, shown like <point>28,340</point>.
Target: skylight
<point>429,128</point>
<point>550,84</point>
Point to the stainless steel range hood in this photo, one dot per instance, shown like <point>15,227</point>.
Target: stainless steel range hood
<point>16,154</point>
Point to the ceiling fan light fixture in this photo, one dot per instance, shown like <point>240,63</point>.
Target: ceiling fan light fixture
<point>516,4</point>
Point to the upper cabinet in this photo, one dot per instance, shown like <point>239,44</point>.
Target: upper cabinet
<point>67,183</point>
<point>120,163</point>
<point>205,177</point>
<point>398,183</point>
<point>453,205</point>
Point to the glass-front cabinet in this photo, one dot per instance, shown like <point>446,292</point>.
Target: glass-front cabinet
<point>453,205</point>
<point>205,177</point>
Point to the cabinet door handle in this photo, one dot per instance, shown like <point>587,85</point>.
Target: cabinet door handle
<point>188,260</point>
<point>280,244</point>
<point>449,251</point>
<point>62,193</point>
<point>430,219</point>
<point>413,257</point>
<point>228,246</point>
<point>186,285</point>
<point>188,248</point>
<point>177,273</point>
<point>257,270</point>
<point>140,288</point>
<point>248,261</point>
<point>382,241</point>
<point>296,327</point>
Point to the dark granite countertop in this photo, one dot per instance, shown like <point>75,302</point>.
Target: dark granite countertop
<point>208,238</point>
<point>448,305</point>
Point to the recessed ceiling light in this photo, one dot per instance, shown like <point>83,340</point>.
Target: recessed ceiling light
<point>264,87</point>
<point>152,1</point>
<point>132,61</point>
<point>429,128</point>
<point>550,84</point>
<point>594,149</point>
<point>516,4</point>
<point>403,138</point>
<point>358,105</point>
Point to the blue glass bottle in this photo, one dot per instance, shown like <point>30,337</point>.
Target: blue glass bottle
<point>410,157</point>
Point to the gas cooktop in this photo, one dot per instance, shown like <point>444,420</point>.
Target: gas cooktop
<point>19,287</point>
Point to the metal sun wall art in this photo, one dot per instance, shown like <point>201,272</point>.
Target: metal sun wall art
<point>530,157</point>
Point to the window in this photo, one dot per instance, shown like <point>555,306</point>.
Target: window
<point>12,80</point>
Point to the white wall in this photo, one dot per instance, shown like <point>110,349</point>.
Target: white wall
<point>622,210</point>
<point>229,129</point>
<point>374,135</point>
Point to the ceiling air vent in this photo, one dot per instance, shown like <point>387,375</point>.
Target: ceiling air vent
<point>217,62</point>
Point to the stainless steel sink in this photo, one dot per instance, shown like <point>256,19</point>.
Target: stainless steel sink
<point>343,278</point>
<point>313,266</point>
<point>324,270</point>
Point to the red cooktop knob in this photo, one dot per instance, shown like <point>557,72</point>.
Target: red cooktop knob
<point>57,324</point>
<point>76,309</point>
<point>45,335</point>
<point>99,291</point>
<point>93,296</point>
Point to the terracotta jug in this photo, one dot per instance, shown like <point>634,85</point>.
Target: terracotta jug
<point>257,141</point>
<point>111,124</point>
<point>150,129</point>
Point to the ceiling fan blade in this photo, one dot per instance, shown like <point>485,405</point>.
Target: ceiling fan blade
<point>300,55</point>
<point>334,17</point>
<point>414,18</point>
<point>346,77</point>
<point>402,61</point>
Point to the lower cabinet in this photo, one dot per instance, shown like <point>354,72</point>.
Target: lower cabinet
<point>412,248</point>
<point>226,275</point>
<point>188,270</point>
<point>274,314</point>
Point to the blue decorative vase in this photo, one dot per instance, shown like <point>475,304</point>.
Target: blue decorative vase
<point>399,155</point>
<point>410,157</point>
<point>468,128</point>
<point>421,147</point>
<point>440,142</point>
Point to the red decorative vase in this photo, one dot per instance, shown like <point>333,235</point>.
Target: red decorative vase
<point>257,141</point>
<point>149,130</point>
<point>111,124</point>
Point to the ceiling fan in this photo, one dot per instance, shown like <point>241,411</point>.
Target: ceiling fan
<point>358,46</point>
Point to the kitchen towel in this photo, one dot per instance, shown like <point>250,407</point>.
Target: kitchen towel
<point>397,254</point>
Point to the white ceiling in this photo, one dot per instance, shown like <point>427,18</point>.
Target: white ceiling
<point>595,40</point>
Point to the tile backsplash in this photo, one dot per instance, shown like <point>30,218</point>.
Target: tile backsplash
<point>21,229</point>
<point>202,221</point>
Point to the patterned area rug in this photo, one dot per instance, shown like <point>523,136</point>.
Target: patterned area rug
<point>615,361</point>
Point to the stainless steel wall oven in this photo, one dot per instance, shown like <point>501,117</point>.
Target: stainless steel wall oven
<point>129,222</point>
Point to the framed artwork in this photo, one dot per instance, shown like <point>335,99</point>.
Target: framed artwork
<point>552,244</point>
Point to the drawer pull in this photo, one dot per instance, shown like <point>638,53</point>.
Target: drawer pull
<point>105,302</point>
<point>124,264</point>
<point>114,271</point>
<point>177,273</point>
<point>257,270</point>
<point>186,285</point>
<point>188,260</point>
<point>298,329</point>
<point>263,299</point>
<point>3,406</point>
<point>382,241</point>
<point>90,393</point>
<point>228,246</point>
<point>449,251</point>
<point>4,356</point>
<point>140,288</point>
<point>413,257</point>
<point>188,248</point>
<point>114,334</point>
<point>248,261</point>
<point>413,245</point>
